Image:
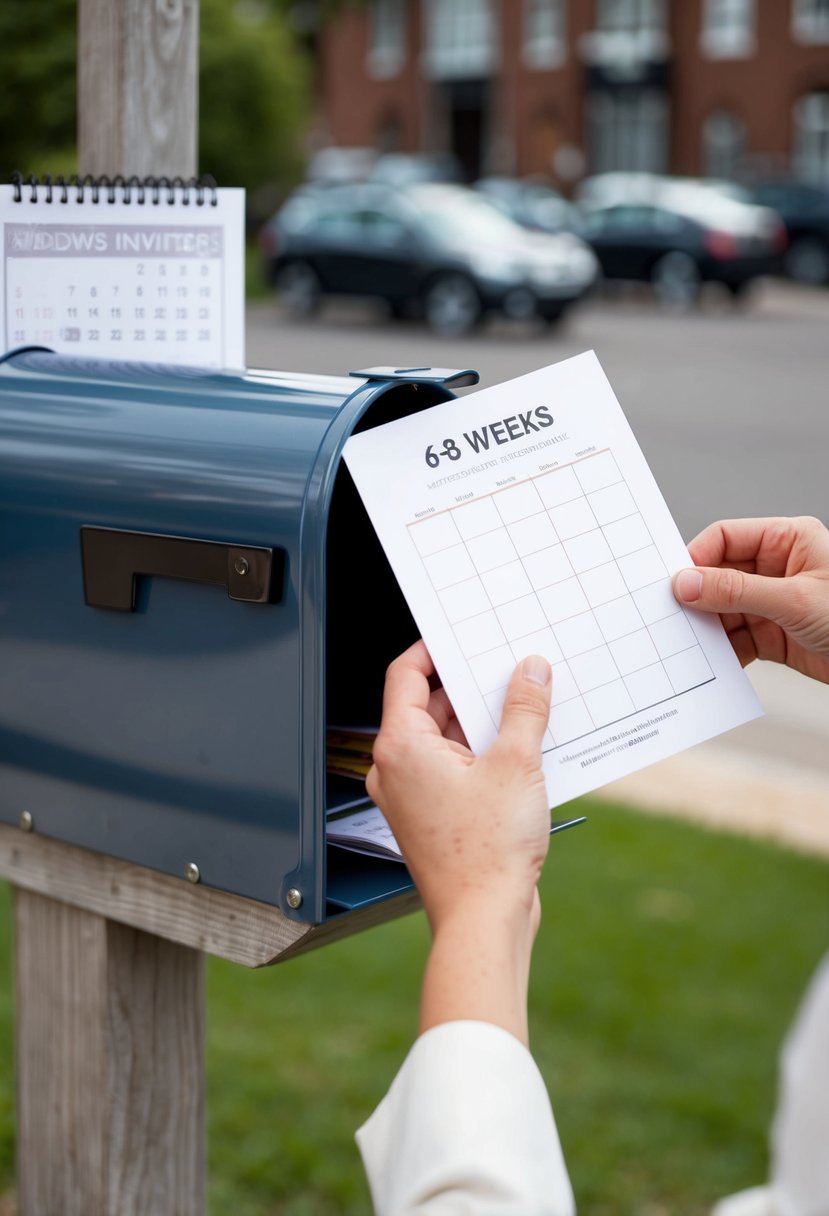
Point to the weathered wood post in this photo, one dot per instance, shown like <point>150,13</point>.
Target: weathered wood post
<point>138,87</point>
<point>110,1019</point>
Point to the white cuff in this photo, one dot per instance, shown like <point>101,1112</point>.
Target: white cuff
<point>800,1136</point>
<point>466,1128</point>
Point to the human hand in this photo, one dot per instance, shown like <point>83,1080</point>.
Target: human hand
<point>769,581</point>
<point>474,831</point>
<point>469,827</point>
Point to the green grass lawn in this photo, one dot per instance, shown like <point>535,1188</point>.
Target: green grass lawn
<point>669,963</point>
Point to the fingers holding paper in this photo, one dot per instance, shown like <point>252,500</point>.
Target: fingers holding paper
<point>413,701</point>
<point>468,826</point>
<point>474,831</point>
<point>768,579</point>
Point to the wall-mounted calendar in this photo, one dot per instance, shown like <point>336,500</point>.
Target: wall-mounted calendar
<point>142,271</point>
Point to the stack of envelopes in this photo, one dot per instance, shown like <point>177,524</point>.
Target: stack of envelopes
<point>348,750</point>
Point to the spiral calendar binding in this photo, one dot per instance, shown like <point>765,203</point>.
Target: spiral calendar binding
<point>103,189</point>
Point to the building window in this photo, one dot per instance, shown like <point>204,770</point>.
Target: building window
<point>631,16</point>
<point>728,29</point>
<point>544,33</point>
<point>387,44</point>
<point>460,38</point>
<point>628,36</point>
<point>811,138</point>
<point>628,131</point>
<point>723,144</point>
<point>810,20</point>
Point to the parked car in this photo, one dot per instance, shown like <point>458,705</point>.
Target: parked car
<point>335,166</point>
<point>407,168</point>
<point>678,234</point>
<point>804,209</point>
<point>604,189</point>
<point>532,203</point>
<point>437,250</point>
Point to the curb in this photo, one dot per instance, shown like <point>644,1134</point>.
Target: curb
<point>728,790</point>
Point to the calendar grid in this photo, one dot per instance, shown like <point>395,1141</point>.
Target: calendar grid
<point>120,306</point>
<point>161,283</point>
<point>563,564</point>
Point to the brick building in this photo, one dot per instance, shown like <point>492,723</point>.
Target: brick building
<point>563,87</point>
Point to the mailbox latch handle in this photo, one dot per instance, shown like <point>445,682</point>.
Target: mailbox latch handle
<point>112,560</point>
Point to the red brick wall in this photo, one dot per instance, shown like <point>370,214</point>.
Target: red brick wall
<point>761,89</point>
<point>355,108</point>
<point>537,110</point>
<point>548,103</point>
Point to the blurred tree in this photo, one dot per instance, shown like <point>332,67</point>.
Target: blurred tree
<point>254,93</point>
<point>254,90</point>
<point>38,48</point>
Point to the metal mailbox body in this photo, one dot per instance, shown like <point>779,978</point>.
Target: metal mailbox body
<point>190,730</point>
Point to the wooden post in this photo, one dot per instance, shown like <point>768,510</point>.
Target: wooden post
<point>110,1042</point>
<point>110,1019</point>
<point>138,87</point>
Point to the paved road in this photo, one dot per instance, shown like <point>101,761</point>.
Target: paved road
<point>731,407</point>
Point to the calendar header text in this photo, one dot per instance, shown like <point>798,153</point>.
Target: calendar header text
<point>111,240</point>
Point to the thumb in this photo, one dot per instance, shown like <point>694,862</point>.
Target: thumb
<point>715,590</point>
<point>527,707</point>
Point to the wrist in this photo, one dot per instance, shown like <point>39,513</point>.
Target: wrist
<point>479,965</point>
<point>508,895</point>
<point>501,916</point>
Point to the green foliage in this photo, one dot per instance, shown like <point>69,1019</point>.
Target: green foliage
<point>253,95</point>
<point>38,49</point>
<point>669,963</point>
<point>254,84</point>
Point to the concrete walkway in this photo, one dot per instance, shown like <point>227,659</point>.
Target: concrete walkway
<point>768,778</point>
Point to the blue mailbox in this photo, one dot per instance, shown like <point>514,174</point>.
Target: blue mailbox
<point>190,591</point>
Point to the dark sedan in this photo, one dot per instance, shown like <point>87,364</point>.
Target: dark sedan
<point>804,209</point>
<point>435,250</point>
<point>685,236</point>
<point>532,203</point>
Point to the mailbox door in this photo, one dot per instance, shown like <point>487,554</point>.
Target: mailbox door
<point>169,734</point>
<point>154,706</point>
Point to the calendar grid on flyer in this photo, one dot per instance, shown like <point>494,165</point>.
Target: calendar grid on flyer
<point>537,528</point>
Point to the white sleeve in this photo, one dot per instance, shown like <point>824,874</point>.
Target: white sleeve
<point>466,1130</point>
<point>800,1135</point>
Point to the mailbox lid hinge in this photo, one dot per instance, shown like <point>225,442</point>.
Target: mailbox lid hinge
<point>454,376</point>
